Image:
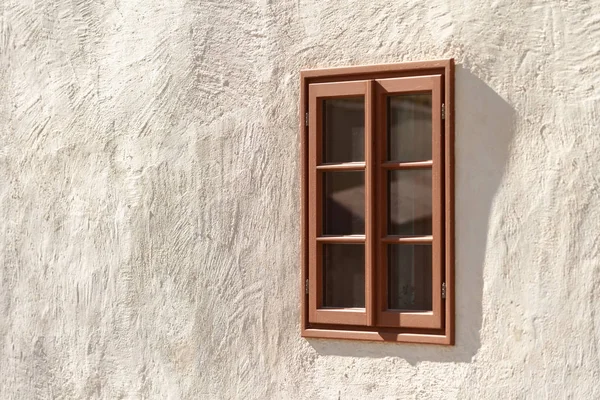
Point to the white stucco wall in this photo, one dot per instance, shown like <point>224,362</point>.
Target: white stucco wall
<point>149,198</point>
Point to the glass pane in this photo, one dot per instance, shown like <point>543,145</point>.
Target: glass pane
<point>343,275</point>
<point>344,203</point>
<point>409,277</point>
<point>409,202</point>
<point>343,130</point>
<point>409,127</point>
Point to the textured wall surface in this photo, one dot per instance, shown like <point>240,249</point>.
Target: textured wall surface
<point>149,198</point>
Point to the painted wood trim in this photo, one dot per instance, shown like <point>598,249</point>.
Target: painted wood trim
<point>316,94</point>
<point>350,166</point>
<point>347,239</point>
<point>370,214</point>
<point>407,165</point>
<point>449,197</point>
<point>447,68</point>
<point>393,239</point>
<point>393,318</point>
<point>376,336</point>
<point>376,69</point>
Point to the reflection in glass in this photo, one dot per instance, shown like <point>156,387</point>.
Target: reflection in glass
<point>343,275</point>
<point>409,202</point>
<point>409,127</point>
<point>344,203</point>
<point>343,130</point>
<point>409,277</point>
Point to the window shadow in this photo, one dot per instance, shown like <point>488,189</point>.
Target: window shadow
<point>484,129</point>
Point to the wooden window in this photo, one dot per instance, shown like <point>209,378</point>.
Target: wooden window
<point>377,202</point>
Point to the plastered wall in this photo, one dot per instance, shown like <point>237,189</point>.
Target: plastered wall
<point>149,199</point>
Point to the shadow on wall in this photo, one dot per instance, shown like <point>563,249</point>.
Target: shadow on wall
<point>484,130</point>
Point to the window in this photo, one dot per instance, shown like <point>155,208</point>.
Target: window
<point>377,194</point>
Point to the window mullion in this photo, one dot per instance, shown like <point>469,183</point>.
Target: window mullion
<point>370,199</point>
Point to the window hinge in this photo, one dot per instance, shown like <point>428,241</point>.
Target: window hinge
<point>443,110</point>
<point>306,119</point>
<point>444,290</point>
<point>306,286</point>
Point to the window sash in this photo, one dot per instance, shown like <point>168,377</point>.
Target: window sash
<point>397,318</point>
<point>316,168</point>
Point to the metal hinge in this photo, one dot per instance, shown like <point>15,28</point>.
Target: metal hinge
<point>306,286</point>
<point>444,290</point>
<point>306,119</point>
<point>443,110</point>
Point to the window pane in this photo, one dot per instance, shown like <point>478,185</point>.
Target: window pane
<point>409,277</point>
<point>409,127</point>
<point>343,275</point>
<point>343,130</point>
<point>409,202</point>
<point>344,203</point>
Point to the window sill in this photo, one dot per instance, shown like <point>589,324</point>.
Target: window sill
<point>378,336</point>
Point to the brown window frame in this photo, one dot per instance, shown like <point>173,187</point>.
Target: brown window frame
<point>376,323</point>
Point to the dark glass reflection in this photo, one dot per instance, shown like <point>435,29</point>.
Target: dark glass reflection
<point>343,275</point>
<point>409,127</point>
<point>343,130</point>
<point>344,203</point>
<point>409,277</point>
<point>409,202</point>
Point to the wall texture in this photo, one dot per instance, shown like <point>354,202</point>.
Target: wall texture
<point>149,198</point>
